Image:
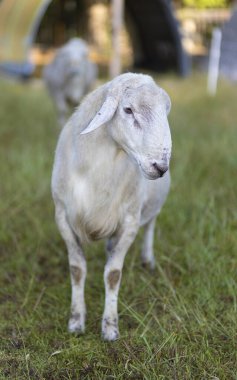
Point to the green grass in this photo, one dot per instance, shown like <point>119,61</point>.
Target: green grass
<point>179,322</point>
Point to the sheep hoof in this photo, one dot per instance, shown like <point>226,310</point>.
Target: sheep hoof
<point>149,265</point>
<point>110,330</point>
<point>76,326</point>
<point>110,335</point>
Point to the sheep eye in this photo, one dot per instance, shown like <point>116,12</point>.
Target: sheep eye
<point>128,110</point>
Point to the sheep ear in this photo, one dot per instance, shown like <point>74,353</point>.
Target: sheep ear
<point>105,114</point>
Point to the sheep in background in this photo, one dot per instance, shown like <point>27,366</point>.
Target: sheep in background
<point>108,153</point>
<point>69,76</point>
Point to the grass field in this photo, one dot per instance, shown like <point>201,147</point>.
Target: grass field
<point>179,322</point>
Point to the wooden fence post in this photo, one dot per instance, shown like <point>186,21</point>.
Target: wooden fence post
<point>117,9</point>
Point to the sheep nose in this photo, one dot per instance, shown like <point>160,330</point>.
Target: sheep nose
<point>161,170</point>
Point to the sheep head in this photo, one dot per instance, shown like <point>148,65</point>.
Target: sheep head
<point>135,111</point>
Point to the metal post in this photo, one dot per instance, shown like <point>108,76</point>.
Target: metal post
<point>214,59</point>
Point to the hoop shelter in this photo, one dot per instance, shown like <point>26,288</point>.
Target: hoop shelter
<point>19,21</point>
<point>151,24</point>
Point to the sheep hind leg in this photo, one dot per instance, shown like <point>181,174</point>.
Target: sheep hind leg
<point>112,279</point>
<point>77,265</point>
<point>147,254</point>
<point>110,244</point>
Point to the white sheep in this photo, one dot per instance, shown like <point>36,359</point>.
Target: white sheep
<point>69,76</point>
<point>116,142</point>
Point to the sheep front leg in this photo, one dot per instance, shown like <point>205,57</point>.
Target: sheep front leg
<point>77,265</point>
<point>112,279</point>
<point>147,255</point>
<point>62,108</point>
